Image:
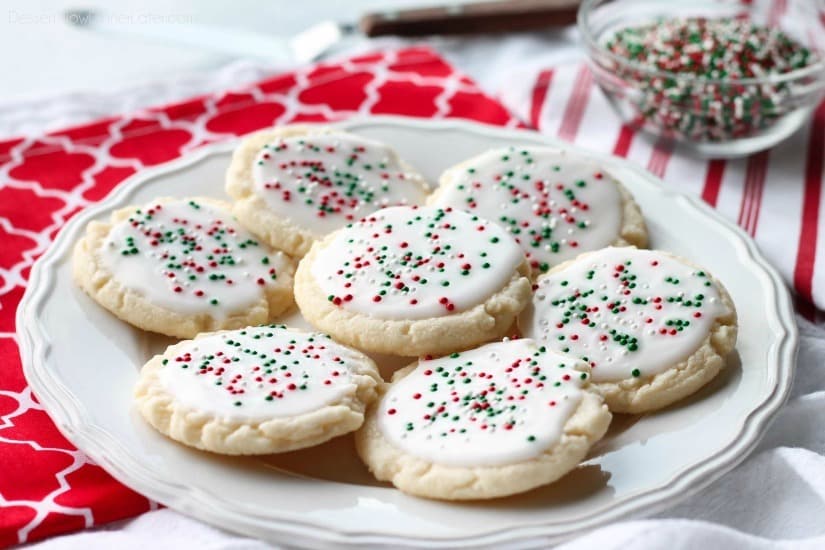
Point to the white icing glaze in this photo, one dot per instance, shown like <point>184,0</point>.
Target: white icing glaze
<point>500,403</point>
<point>259,373</point>
<point>555,205</point>
<point>627,312</point>
<point>416,263</point>
<point>190,257</point>
<point>323,182</point>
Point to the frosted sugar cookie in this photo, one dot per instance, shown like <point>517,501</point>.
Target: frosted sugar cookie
<point>653,327</point>
<point>414,280</point>
<point>295,184</point>
<point>182,266</point>
<point>555,203</point>
<point>492,421</point>
<point>259,390</point>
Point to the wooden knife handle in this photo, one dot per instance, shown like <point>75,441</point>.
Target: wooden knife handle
<point>480,17</point>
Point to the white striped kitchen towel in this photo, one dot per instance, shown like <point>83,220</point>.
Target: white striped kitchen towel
<point>775,195</point>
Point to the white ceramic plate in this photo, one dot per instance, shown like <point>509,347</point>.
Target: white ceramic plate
<point>82,363</point>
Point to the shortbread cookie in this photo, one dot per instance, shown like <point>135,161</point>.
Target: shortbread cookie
<point>296,184</point>
<point>259,390</point>
<point>556,204</point>
<point>492,421</point>
<point>182,266</point>
<point>414,280</point>
<point>653,327</point>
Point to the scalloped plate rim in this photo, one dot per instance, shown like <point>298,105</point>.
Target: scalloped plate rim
<point>69,414</point>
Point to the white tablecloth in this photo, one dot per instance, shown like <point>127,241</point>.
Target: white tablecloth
<point>775,499</point>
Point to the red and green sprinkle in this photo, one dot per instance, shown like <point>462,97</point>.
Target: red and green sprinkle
<point>705,100</point>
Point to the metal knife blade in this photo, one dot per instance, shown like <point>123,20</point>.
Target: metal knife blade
<point>303,47</point>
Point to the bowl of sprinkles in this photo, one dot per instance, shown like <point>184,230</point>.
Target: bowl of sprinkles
<point>724,78</point>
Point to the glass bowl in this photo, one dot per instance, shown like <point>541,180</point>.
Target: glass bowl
<point>721,117</point>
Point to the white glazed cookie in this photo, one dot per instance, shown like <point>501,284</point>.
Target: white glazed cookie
<point>260,390</point>
<point>555,203</point>
<point>492,421</point>
<point>182,266</point>
<point>653,327</point>
<point>414,281</point>
<point>295,184</point>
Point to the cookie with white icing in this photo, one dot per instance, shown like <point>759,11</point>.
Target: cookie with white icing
<point>414,280</point>
<point>653,327</point>
<point>295,184</point>
<point>492,421</point>
<point>556,204</point>
<point>182,266</point>
<point>259,390</point>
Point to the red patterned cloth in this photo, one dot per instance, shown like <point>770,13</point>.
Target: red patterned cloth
<point>46,485</point>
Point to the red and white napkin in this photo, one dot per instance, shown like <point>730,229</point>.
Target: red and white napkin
<point>46,485</point>
<point>775,195</point>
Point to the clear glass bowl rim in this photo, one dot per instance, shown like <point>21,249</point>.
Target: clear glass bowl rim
<point>585,9</point>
